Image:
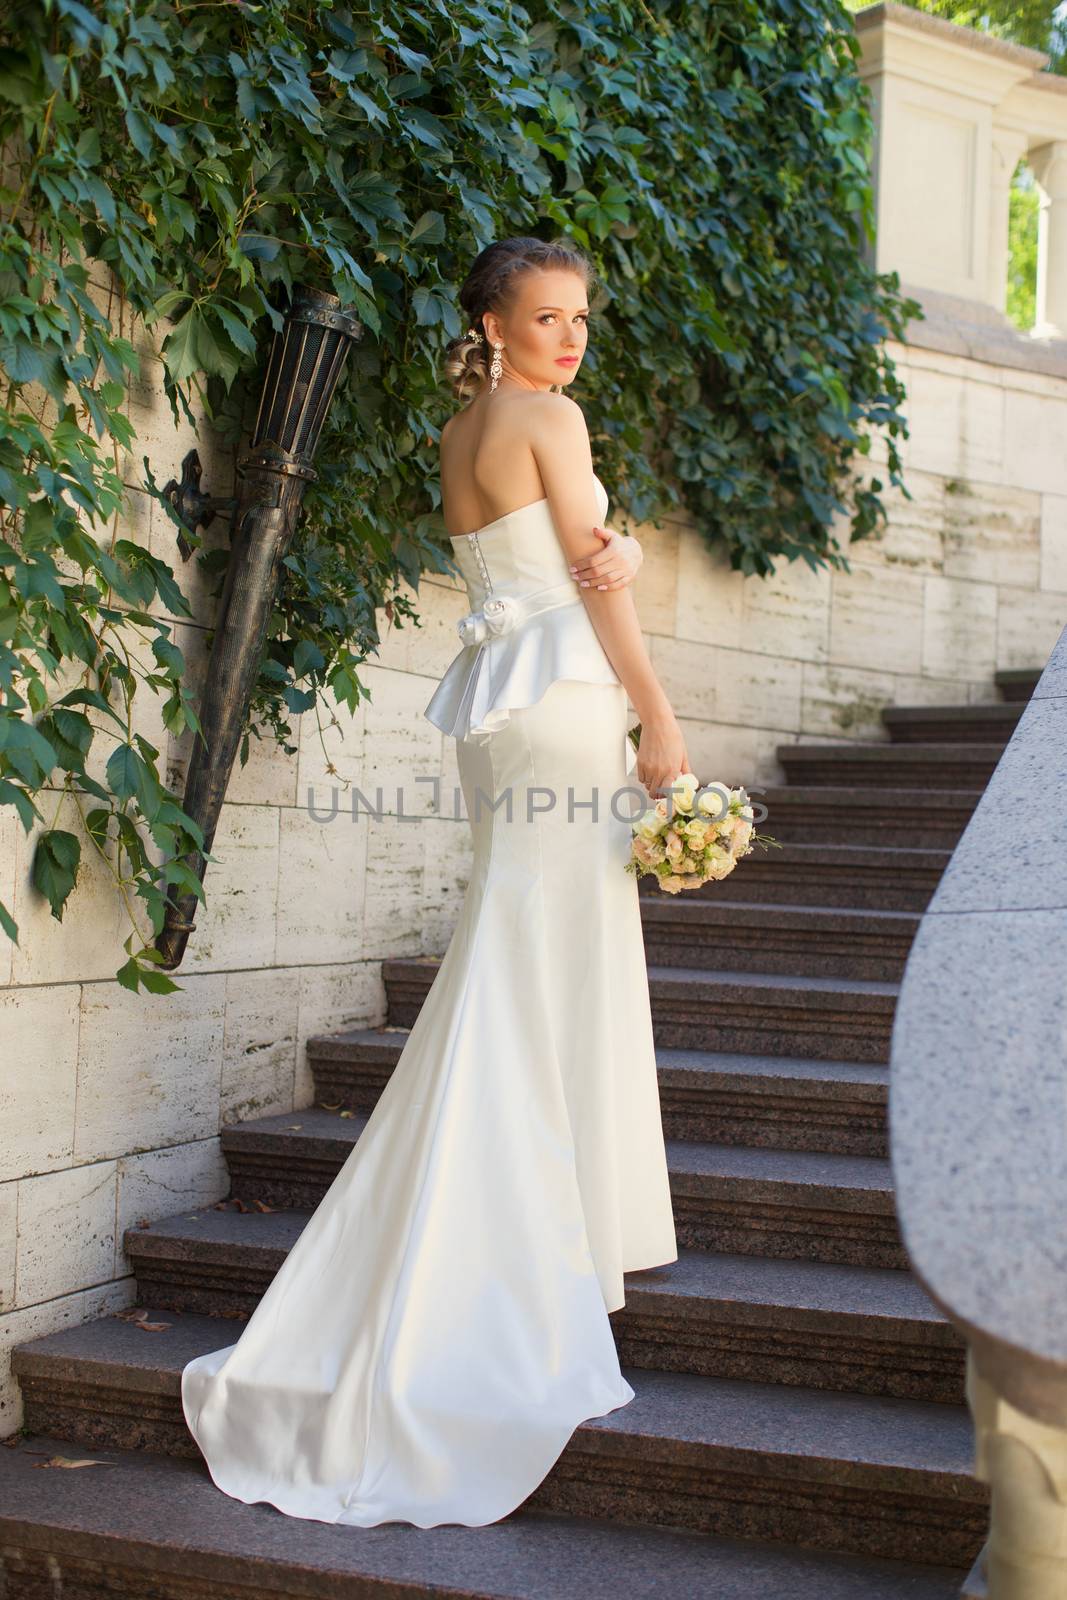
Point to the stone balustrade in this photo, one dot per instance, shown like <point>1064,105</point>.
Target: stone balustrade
<point>978,1128</point>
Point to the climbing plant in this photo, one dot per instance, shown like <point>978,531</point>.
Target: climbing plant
<point>180,166</point>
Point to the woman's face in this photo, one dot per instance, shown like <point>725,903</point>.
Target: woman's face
<point>545,329</point>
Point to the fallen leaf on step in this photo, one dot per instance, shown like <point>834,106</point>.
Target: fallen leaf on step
<point>261,1205</point>
<point>68,1461</point>
<point>139,1317</point>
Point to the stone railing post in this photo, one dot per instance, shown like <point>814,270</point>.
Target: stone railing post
<point>1009,146</point>
<point>1024,1460</point>
<point>1049,162</point>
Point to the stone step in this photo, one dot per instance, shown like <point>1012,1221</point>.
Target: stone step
<point>983,724</point>
<point>701,930</point>
<point>786,1203</point>
<point>858,876</point>
<point>774,1014</point>
<point>774,1102</point>
<point>146,1526</point>
<point>935,766</point>
<point>871,1330</point>
<point>1017,683</point>
<point>840,813</point>
<point>789,1102</point>
<point>873,1474</point>
<point>754,1013</point>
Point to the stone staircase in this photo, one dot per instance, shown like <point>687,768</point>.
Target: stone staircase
<point>799,1426</point>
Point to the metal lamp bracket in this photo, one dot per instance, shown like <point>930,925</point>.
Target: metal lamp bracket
<point>190,504</point>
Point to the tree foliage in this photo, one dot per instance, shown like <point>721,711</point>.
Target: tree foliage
<point>1022,248</point>
<point>712,157</point>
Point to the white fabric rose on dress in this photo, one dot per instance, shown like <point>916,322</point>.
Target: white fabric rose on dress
<point>497,614</point>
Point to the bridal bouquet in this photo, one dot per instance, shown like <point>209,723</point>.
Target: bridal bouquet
<point>696,833</point>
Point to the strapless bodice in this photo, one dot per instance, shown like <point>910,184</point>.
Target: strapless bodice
<point>517,552</point>
<point>526,627</point>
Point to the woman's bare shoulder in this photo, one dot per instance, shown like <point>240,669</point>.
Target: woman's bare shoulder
<point>451,436</point>
<point>551,416</point>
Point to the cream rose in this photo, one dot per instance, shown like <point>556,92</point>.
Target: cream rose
<point>713,801</point>
<point>683,791</point>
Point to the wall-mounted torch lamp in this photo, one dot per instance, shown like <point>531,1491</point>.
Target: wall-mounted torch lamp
<point>305,365</point>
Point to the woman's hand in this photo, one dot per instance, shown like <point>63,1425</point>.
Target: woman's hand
<point>661,754</point>
<point>612,567</point>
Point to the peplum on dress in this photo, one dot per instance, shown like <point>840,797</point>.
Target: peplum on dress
<point>441,1325</point>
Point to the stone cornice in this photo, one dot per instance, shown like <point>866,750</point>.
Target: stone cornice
<point>949,33</point>
<point>961,327</point>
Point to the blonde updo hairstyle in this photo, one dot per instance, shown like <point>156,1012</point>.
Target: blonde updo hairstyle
<point>490,286</point>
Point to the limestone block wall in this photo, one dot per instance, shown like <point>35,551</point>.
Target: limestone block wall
<point>111,1103</point>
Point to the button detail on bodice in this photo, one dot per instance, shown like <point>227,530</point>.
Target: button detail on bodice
<point>472,540</point>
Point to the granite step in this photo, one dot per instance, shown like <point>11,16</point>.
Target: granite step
<point>780,1102</point>
<point>754,1013</point>
<point>856,876</point>
<point>1017,683</point>
<point>935,765</point>
<point>786,1203</point>
<point>825,1018</point>
<point>870,1474</point>
<point>984,724</point>
<point>790,1102</point>
<point>153,1527</point>
<point>871,1330</point>
<point>804,941</point>
<point>838,813</point>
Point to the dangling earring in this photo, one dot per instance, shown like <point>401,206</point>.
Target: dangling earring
<point>496,367</point>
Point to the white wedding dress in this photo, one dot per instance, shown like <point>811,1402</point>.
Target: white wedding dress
<point>440,1328</point>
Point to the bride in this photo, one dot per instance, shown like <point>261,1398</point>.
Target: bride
<point>441,1326</point>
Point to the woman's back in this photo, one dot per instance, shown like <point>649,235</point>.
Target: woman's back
<point>488,466</point>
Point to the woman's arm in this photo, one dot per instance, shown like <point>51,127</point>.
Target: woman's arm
<point>559,440</point>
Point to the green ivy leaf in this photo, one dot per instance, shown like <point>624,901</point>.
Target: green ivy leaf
<point>55,868</point>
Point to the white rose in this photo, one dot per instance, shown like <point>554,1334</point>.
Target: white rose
<point>714,800</point>
<point>651,823</point>
<point>683,791</point>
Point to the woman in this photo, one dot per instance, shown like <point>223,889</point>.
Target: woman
<point>441,1326</point>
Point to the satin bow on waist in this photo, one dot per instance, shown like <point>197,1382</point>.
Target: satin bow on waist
<point>500,613</point>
